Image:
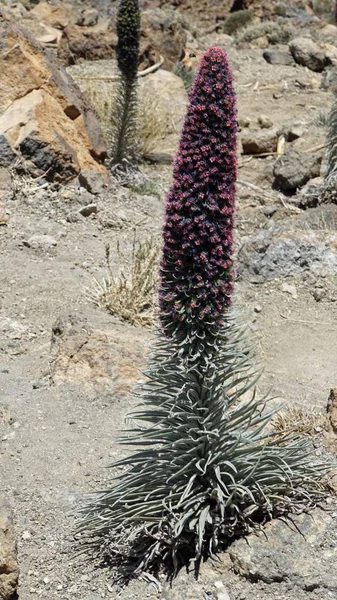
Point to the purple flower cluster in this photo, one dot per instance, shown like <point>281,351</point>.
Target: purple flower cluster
<point>196,267</point>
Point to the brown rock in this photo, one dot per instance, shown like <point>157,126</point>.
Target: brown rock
<point>90,43</point>
<point>163,33</point>
<point>44,116</point>
<point>56,15</point>
<point>259,142</point>
<point>93,357</point>
<point>9,570</point>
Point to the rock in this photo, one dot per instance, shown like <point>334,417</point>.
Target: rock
<point>162,33</point>
<point>222,596</point>
<point>92,182</point>
<point>41,242</point>
<point>6,187</point>
<point>98,357</point>
<point>57,15</point>
<point>13,330</point>
<point>329,80</point>
<point>293,169</point>
<point>9,570</point>
<point>289,253</point>
<point>289,288</point>
<point>5,417</point>
<point>294,133</point>
<point>332,410</point>
<point>3,215</point>
<point>259,142</point>
<point>284,552</point>
<point>329,31</point>
<point>44,117</point>
<point>89,43</point>
<point>7,155</point>
<point>308,54</point>
<point>278,57</point>
<point>265,122</point>
<point>88,210</point>
<point>319,294</point>
<point>88,18</point>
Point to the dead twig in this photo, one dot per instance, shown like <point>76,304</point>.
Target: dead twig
<point>304,321</point>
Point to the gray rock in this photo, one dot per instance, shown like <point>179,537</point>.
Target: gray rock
<point>92,181</point>
<point>6,188</point>
<point>7,155</point>
<point>88,18</point>
<point>278,57</point>
<point>283,254</point>
<point>293,169</point>
<point>329,80</point>
<point>9,570</point>
<point>306,53</point>
<point>259,142</point>
<point>285,552</point>
<point>41,242</point>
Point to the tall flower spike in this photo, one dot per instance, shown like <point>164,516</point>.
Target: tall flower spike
<point>206,464</point>
<point>196,267</point>
<point>125,111</point>
<point>128,30</point>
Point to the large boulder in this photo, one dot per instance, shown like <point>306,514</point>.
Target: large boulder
<point>9,570</point>
<point>293,169</point>
<point>44,117</point>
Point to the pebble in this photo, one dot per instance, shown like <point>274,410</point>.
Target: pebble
<point>26,535</point>
<point>289,288</point>
<point>223,596</point>
<point>264,122</point>
<point>258,308</point>
<point>88,210</point>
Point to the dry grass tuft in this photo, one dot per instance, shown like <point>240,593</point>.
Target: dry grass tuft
<point>129,291</point>
<point>298,420</point>
<point>152,122</point>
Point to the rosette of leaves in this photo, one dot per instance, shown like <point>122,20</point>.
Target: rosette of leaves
<point>206,464</point>
<point>124,118</point>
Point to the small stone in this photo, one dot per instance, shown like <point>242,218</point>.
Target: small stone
<point>264,122</point>
<point>88,210</point>
<point>277,57</point>
<point>289,288</point>
<point>223,596</point>
<point>46,580</point>
<point>92,181</point>
<point>41,242</point>
<point>318,294</point>
<point>245,122</point>
<point>258,308</point>
<point>218,585</point>
<point>260,142</point>
<point>26,535</point>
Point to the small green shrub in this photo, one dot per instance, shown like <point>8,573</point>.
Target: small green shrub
<point>237,20</point>
<point>275,33</point>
